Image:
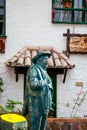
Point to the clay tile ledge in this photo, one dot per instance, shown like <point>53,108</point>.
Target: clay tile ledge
<point>57,60</point>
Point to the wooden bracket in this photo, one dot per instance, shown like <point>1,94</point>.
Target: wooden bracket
<point>65,72</point>
<point>16,72</point>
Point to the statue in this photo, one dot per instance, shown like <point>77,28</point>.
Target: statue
<point>38,93</point>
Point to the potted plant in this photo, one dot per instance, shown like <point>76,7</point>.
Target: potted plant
<point>67,3</point>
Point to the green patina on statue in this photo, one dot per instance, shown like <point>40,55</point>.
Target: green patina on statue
<point>39,92</point>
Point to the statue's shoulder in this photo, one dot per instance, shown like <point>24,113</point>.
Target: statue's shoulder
<point>33,69</point>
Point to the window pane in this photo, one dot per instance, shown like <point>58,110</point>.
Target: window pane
<point>77,16</point>
<point>1,2</point>
<point>77,3</point>
<point>2,14</point>
<point>1,28</point>
<point>62,16</point>
<point>1,11</point>
<point>85,4</point>
<point>58,4</point>
<point>1,17</point>
<point>85,16</point>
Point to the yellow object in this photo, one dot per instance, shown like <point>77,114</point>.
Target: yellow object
<point>13,118</point>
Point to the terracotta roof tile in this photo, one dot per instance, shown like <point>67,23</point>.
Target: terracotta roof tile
<point>24,56</point>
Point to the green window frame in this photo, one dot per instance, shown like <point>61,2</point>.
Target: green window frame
<point>2,18</point>
<point>69,11</point>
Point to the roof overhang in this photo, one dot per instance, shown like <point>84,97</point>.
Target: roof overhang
<point>21,61</point>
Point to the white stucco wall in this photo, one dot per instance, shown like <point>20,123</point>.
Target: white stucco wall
<point>28,22</point>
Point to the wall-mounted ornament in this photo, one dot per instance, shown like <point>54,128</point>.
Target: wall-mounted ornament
<point>2,44</point>
<point>75,43</point>
<point>78,44</point>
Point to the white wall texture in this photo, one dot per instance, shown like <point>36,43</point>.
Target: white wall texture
<point>28,22</point>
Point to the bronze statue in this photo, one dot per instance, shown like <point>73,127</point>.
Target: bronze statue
<point>38,93</point>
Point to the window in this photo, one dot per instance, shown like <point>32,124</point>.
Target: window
<point>2,18</point>
<point>69,11</point>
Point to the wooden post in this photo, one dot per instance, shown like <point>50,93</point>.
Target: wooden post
<point>68,42</point>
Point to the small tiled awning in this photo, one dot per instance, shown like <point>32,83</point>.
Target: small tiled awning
<point>24,56</point>
<point>22,59</point>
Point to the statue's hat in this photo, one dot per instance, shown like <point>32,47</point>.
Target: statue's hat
<point>39,54</point>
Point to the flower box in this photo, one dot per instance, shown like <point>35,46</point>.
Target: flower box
<point>2,45</point>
